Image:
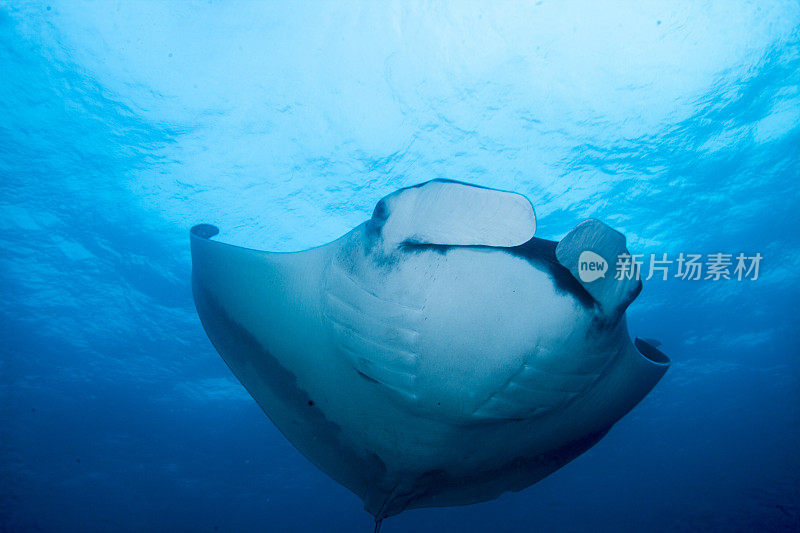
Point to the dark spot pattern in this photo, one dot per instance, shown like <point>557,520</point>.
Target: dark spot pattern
<point>540,253</point>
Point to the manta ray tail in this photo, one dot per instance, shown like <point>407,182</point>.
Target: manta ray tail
<point>596,255</point>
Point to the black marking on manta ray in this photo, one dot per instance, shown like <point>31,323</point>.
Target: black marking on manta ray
<point>441,249</point>
<point>543,252</point>
<point>239,345</point>
<point>538,252</point>
<point>368,378</point>
<point>380,213</point>
<point>521,472</point>
<point>373,226</point>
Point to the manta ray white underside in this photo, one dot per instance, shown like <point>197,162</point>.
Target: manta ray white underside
<point>438,354</point>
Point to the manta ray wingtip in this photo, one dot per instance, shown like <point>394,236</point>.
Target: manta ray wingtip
<point>649,349</point>
<point>204,231</point>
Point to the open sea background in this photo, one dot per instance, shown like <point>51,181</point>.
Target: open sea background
<point>124,123</point>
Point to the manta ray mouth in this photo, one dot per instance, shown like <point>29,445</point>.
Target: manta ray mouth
<point>651,353</point>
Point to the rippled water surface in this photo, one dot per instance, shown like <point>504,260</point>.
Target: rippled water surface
<point>122,124</point>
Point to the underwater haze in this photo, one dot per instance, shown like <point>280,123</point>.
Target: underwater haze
<point>122,124</point>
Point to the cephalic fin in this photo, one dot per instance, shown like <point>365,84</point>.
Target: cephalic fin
<point>591,252</point>
<point>445,212</point>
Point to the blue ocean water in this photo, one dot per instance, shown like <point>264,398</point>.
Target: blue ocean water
<point>123,124</point>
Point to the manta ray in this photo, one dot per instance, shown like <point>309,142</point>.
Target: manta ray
<point>436,355</point>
